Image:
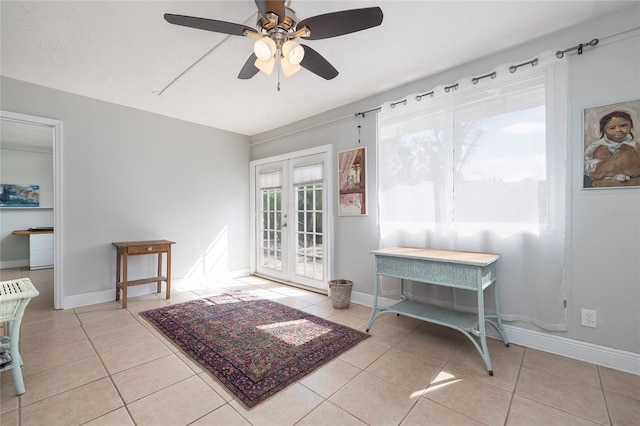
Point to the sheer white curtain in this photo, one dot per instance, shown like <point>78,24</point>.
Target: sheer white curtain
<point>482,167</point>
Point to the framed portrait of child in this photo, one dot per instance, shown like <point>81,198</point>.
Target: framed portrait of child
<point>611,146</point>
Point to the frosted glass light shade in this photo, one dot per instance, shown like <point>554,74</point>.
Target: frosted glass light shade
<point>264,48</point>
<point>265,66</point>
<point>287,68</point>
<point>293,52</point>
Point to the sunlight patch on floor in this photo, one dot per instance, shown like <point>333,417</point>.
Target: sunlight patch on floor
<point>296,332</point>
<point>443,379</point>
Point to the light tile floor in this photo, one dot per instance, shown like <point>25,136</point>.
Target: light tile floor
<point>104,365</point>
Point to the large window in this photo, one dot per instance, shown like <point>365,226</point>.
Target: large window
<point>483,168</point>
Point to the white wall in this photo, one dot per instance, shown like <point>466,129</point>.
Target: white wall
<point>605,222</point>
<point>32,168</point>
<point>603,254</point>
<point>132,175</point>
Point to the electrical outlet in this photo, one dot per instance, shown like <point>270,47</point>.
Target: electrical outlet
<point>589,318</point>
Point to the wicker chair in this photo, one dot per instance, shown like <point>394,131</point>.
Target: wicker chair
<point>14,298</point>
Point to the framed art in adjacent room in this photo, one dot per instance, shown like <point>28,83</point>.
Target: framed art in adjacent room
<point>352,182</point>
<point>19,195</point>
<point>611,146</point>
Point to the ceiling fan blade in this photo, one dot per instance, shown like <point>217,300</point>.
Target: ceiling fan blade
<point>314,62</point>
<point>249,70</point>
<point>339,23</point>
<point>273,6</point>
<point>208,24</point>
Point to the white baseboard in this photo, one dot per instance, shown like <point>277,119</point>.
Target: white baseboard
<point>575,349</point>
<point>239,273</point>
<point>8,264</point>
<point>106,296</point>
<point>139,290</point>
<point>583,351</point>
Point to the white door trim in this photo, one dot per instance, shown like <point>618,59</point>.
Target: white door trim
<point>56,125</point>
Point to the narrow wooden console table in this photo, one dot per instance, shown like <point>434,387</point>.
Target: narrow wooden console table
<point>135,248</point>
<point>463,270</point>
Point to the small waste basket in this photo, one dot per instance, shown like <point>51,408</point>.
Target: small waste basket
<point>340,291</point>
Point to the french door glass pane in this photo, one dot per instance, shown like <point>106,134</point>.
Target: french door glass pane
<point>271,245</point>
<point>309,250</point>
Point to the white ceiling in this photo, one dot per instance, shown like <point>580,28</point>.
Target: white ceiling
<point>126,53</point>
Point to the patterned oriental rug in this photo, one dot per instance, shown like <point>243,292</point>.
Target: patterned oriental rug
<point>253,346</point>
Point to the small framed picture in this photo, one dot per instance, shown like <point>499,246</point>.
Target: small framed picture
<point>352,182</point>
<point>611,147</point>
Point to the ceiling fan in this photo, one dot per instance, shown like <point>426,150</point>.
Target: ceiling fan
<point>276,28</point>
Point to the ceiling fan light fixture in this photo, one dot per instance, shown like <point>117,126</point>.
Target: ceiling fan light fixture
<point>288,69</point>
<point>264,48</point>
<point>276,27</point>
<point>265,66</point>
<point>293,52</point>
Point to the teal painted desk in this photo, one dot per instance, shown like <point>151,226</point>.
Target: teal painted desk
<point>462,270</point>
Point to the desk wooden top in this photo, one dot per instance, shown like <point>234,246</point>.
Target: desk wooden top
<point>142,243</point>
<point>466,257</point>
<point>27,232</point>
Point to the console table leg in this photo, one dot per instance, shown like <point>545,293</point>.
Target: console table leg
<point>118,254</point>
<point>168,294</point>
<point>124,281</point>
<point>159,283</point>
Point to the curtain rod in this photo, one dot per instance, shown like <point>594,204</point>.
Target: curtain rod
<point>592,43</point>
<point>474,80</point>
<point>513,68</point>
<point>363,113</point>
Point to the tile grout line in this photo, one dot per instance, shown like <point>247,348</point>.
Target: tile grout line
<point>564,410</point>
<point>124,404</point>
<point>515,386</point>
<point>20,405</point>
<point>604,396</point>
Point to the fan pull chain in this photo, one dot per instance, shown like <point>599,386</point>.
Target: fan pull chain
<point>359,127</point>
<point>278,66</point>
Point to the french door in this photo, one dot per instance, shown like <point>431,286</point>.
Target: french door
<point>290,241</point>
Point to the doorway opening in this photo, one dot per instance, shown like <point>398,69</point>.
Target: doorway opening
<point>23,127</point>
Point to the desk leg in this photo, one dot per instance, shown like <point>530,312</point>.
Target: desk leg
<point>374,309</point>
<point>124,281</point>
<point>483,331</point>
<point>500,328</point>
<point>118,254</point>
<point>168,295</point>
